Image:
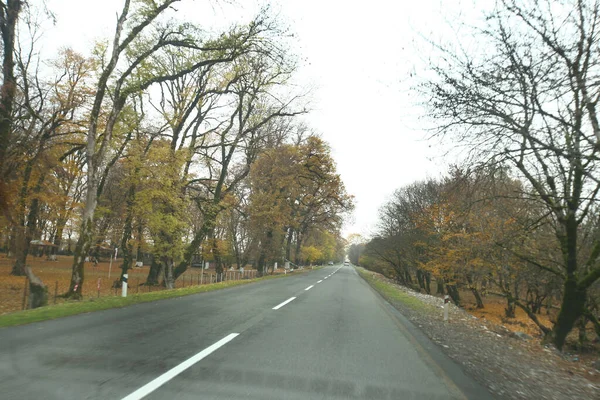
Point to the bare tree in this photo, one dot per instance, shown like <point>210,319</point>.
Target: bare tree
<point>529,100</point>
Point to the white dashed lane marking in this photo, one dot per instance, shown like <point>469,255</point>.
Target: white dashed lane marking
<point>173,372</point>
<point>277,307</point>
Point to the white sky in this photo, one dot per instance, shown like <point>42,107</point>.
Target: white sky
<point>360,57</point>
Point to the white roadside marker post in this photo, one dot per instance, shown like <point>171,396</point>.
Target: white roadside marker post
<point>124,289</point>
<point>446,306</point>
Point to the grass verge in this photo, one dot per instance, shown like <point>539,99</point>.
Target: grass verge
<point>392,294</point>
<point>104,303</point>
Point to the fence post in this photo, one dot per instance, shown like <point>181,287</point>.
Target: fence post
<point>446,305</point>
<point>25,293</point>
<point>55,291</point>
<point>98,286</point>
<point>137,284</point>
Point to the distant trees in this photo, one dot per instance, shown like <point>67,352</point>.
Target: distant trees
<point>296,194</point>
<point>355,250</point>
<point>477,230</point>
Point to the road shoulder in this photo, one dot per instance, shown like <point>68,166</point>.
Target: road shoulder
<point>92,304</point>
<point>508,367</point>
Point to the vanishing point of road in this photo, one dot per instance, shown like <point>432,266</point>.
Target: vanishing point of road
<point>324,334</point>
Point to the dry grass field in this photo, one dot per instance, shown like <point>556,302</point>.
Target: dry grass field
<point>56,275</point>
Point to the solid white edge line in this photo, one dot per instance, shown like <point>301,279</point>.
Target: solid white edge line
<point>173,372</point>
<point>320,281</point>
<point>310,287</point>
<point>277,307</point>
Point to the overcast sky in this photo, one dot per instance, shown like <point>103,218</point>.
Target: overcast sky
<point>360,57</point>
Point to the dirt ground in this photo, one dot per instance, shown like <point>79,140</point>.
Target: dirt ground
<point>56,275</point>
<point>494,312</point>
<point>511,367</point>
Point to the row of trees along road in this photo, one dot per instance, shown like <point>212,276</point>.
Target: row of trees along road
<point>525,224</point>
<point>159,141</point>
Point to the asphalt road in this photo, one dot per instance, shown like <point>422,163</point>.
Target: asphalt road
<point>336,339</point>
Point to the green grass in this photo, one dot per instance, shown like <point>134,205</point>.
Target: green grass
<point>394,295</point>
<point>103,303</point>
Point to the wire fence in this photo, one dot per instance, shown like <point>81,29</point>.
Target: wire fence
<point>99,280</point>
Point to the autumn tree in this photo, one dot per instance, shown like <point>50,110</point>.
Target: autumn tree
<point>45,128</point>
<point>161,207</point>
<point>129,65</point>
<point>295,192</point>
<point>530,101</point>
<point>255,104</point>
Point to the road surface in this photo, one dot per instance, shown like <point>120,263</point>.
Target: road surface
<point>320,335</point>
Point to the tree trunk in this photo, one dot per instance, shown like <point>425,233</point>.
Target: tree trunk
<point>440,286</point>
<point>509,311</point>
<point>298,248</point>
<point>261,262</point>
<point>400,277</point>
<point>38,292</point>
<point>478,300</point>
<point>288,244</point>
<point>154,272</point>
<point>571,309</point>
<point>453,293</point>
<point>216,254</point>
<point>208,225</point>
<point>263,252</point>
<point>8,22</point>
<point>169,281</point>
<point>139,254</point>
<point>126,247</point>
<point>28,231</point>
<point>60,228</point>
<point>20,251</point>
<point>581,324</point>
<point>84,243</point>
<point>421,279</point>
<point>407,276</point>
<point>475,292</point>
<point>574,295</point>
<point>428,282</point>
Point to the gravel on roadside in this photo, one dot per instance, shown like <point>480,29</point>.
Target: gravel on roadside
<point>511,367</point>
